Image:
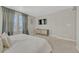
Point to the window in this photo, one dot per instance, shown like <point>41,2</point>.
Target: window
<point>18,23</point>
<point>15,23</point>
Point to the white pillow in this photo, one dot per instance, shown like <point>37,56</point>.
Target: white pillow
<point>1,45</point>
<point>6,40</point>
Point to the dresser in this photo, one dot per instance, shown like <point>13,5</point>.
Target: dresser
<point>44,32</point>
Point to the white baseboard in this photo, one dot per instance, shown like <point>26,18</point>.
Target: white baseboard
<point>63,38</point>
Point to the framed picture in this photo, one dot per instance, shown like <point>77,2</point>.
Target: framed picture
<point>45,21</point>
<point>40,22</point>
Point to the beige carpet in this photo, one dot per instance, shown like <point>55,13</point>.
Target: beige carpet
<point>61,46</point>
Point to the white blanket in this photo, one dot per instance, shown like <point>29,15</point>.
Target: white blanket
<point>28,44</point>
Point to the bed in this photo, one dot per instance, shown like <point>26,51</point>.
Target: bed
<point>23,43</point>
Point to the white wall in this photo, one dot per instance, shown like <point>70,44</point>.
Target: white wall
<point>60,24</point>
<point>77,29</point>
<point>0,20</point>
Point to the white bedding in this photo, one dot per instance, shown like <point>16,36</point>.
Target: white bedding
<point>28,44</point>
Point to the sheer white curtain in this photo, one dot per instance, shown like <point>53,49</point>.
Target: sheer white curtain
<point>8,17</point>
<point>14,22</point>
